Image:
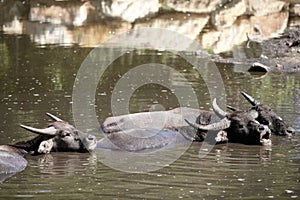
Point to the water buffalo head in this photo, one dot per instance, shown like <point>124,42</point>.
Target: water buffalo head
<point>61,136</point>
<point>239,126</point>
<point>268,117</point>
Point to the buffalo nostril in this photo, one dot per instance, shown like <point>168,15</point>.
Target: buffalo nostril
<point>267,135</point>
<point>290,130</point>
<point>261,128</point>
<point>91,137</point>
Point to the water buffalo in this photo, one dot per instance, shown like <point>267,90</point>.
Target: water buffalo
<point>268,117</point>
<point>153,120</point>
<point>239,127</point>
<point>145,130</point>
<point>141,139</point>
<point>59,136</point>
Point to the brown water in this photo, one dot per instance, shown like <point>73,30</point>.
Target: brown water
<point>37,80</point>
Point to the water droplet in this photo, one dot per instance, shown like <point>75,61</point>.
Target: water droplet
<point>289,191</point>
<point>279,155</point>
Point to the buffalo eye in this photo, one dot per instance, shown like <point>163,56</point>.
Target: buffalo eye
<point>241,126</point>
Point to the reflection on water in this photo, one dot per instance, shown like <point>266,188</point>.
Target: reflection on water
<point>39,80</point>
<point>229,171</point>
<point>219,24</point>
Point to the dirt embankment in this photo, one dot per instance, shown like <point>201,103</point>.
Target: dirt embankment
<point>277,54</point>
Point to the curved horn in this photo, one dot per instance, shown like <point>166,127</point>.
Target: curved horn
<point>54,117</point>
<point>250,99</point>
<point>219,112</point>
<point>46,131</point>
<point>223,124</point>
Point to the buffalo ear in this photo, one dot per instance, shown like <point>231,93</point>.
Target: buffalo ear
<point>253,114</point>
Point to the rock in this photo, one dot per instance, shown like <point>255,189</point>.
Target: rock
<point>258,71</point>
<point>224,39</point>
<point>295,9</point>
<point>130,10</point>
<point>13,27</point>
<point>227,17</point>
<point>86,36</point>
<point>93,35</point>
<point>11,10</point>
<point>258,67</point>
<point>228,35</point>
<point>266,7</point>
<point>279,66</point>
<point>270,25</point>
<point>193,6</point>
<point>189,25</point>
<point>72,14</point>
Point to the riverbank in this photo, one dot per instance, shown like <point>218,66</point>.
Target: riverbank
<point>276,54</point>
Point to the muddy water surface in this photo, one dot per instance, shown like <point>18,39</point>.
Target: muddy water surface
<point>36,80</point>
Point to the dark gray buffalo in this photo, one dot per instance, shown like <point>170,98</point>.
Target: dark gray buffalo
<point>268,117</point>
<point>239,127</point>
<point>58,136</point>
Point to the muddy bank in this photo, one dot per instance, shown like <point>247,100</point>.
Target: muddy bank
<point>275,54</point>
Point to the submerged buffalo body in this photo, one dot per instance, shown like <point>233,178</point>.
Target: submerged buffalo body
<point>11,159</point>
<point>154,120</point>
<point>148,130</point>
<point>141,139</point>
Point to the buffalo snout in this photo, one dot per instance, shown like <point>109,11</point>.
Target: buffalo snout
<point>265,135</point>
